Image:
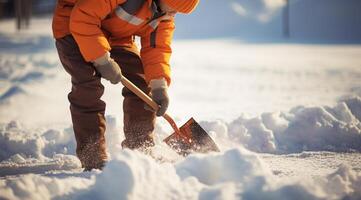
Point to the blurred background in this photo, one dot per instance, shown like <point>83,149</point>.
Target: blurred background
<point>306,21</point>
<point>301,20</point>
<point>7,7</point>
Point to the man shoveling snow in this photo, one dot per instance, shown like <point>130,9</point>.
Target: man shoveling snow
<point>95,39</point>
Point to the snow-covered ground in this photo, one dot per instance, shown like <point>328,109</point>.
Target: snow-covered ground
<point>286,117</point>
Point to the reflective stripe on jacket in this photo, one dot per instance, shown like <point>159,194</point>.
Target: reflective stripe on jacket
<point>98,25</point>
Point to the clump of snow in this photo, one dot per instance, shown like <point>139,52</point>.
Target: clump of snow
<point>25,150</point>
<point>58,142</point>
<point>235,165</point>
<point>354,105</point>
<point>136,176</point>
<point>14,140</point>
<point>256,135</point>
<point>318,128</point>
<point>335,128</point>
<point>17,158</point>
<point>344,182</point>
<point>17,164</point>
<point>233,174</point>
<point>33,186</point>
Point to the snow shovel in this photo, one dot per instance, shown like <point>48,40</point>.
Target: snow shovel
<point>190,137</point>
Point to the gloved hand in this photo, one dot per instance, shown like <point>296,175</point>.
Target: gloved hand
<point>108,68</point>
<point>159,94</point>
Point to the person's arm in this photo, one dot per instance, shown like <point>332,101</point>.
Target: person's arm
<point>85,26</point>
<point>156,51</point>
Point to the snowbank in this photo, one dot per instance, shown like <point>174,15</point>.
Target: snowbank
<point>303,128</point>
<point>33,186</point>
<point>15,139</point>
<point>234,174</point>
<point>33,151</point>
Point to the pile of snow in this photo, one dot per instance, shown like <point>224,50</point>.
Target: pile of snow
<point>302,129</point>
<point>25,150</point>
<point>39,150</point>
<point>15,139</point>
<point>33,186</point>
<point>234,174</point>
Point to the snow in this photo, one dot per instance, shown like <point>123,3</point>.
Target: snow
<point>234,174</point>
<point>285,116</point>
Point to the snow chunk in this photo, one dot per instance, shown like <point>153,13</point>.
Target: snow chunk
<point>255,135</point>
<point>355,106</point>
<point>234,174</point>
<point>17,158</point>
<point>40,187</point>
<point>14,140</point>
<point>319,128</point>
<point>325,128</point>
<point>344,182</point>
<point>132,175</point>
<point>236,165</point>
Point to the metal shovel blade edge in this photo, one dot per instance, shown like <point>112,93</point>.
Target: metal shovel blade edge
<point>192,138</point>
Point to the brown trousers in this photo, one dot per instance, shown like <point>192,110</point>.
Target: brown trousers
<point>87,109</point>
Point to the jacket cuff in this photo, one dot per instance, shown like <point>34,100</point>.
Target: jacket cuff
<point>102,60</point>
<point>158,84</point>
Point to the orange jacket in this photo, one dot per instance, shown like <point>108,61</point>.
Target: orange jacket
<point>98,25</point>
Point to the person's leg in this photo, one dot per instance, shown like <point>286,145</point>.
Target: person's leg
<point>138,122</point>
<point>87,109</point>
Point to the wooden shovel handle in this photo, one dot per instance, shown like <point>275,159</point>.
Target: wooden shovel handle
<point>139,93</point>
<point>148,101</point>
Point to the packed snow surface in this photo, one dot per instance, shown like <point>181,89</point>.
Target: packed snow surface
<point>285,116</point>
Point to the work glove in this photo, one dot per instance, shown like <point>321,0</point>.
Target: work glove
<point>108,68</point>
<point>159,94</point>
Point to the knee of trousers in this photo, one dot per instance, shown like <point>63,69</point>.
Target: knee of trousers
<point>87,96</point>
<point>135,111</point>
<point>138,122</point>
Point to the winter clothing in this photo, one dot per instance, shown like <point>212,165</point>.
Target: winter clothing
<point>98,25</point>
<point>108,69</point>
<point>183,6</point>
<point>159,94</point>
<point>87,109</point>
<point>86,32</point>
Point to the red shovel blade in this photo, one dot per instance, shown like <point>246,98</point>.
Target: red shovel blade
<point>191,138</point>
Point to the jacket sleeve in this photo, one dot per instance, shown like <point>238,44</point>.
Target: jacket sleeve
<point>85,26</point>
<point>156,51</point>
